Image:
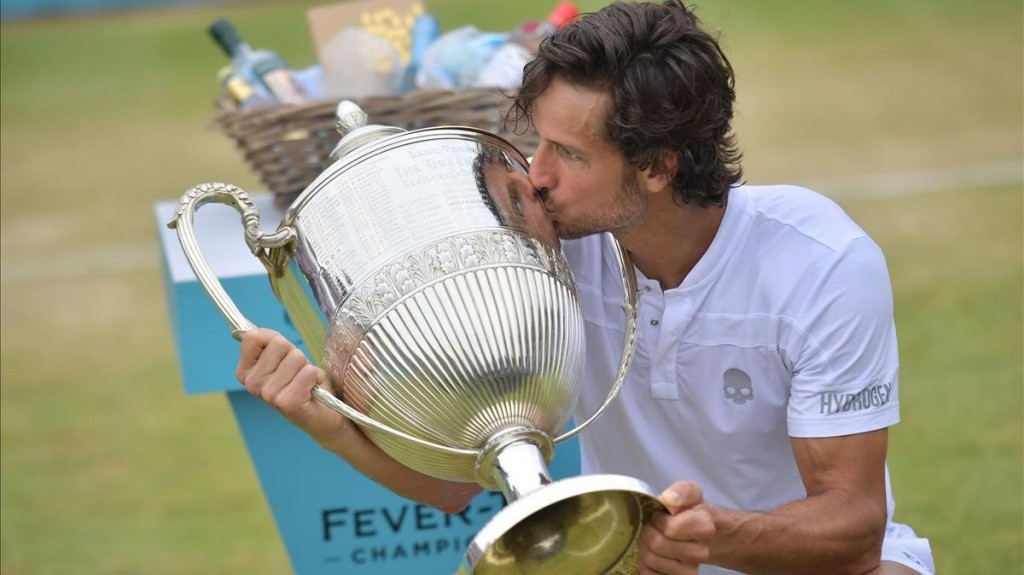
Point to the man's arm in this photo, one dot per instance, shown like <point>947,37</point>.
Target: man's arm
<point>850,346</point>
<point>837,529</point>
<point>273,369</point>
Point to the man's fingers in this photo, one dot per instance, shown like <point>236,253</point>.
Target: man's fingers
<point>681,555</point>
<point>681,495</point>
<point>274,352</point>
<point>676,541</point>
<point>283,364</point>
<point>297,396</point>
<point>694,524</point>
<point>280,374</point>
<point>663,553</point>
<point>253,344</point>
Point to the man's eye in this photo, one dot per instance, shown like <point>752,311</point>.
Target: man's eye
<point>567,153</point>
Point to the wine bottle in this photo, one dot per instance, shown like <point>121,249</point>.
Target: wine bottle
<point>263,69</point>
<point>239,90</point>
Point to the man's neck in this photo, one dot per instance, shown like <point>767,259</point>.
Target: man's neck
<point>669,242</point>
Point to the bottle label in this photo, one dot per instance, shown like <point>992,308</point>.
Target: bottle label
<point>284,87</point>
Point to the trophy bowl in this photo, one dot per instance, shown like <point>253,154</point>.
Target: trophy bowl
<point>424,276</point>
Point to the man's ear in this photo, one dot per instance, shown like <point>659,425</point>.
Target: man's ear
<point>659,175</point>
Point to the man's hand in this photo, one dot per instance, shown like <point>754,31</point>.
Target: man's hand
<point>273,369</point>
<point>677,542</point>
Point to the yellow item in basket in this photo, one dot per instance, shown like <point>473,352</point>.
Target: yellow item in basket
<point>391,20</point>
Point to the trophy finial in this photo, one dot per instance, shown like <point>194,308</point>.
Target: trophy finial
<point>349,117</point>
<point>354,131</point>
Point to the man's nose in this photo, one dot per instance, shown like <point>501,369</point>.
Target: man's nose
<point>541,175</point>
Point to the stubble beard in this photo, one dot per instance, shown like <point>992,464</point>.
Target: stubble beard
<point>627,209</point>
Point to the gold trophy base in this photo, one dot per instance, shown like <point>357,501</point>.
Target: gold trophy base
<point>586,524</point>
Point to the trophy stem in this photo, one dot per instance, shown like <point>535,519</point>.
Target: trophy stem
<point>515,462</point>
<point>520,469</point>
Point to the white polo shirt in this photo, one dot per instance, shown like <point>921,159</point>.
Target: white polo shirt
<point>783,329</point>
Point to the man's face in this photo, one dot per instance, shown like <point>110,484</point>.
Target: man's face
<point>585,183</point>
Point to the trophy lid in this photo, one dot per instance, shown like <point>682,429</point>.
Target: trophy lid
<point>354,130</point>
<point>361,142</point>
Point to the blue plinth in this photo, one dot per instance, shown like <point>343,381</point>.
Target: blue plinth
<point>331,519</point>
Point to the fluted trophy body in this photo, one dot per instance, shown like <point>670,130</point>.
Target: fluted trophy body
<point>424,276</point>
<point>455,317</point>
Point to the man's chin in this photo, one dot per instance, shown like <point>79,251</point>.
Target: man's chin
<point>572,234</point>
<point>568,231</point>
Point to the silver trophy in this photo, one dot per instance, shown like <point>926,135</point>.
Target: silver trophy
<point>424,276</point>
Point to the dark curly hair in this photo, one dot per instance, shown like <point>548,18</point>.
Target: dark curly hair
<point>672,89</point>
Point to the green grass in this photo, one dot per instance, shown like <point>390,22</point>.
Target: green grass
<point>956,455</point>
<point>107,467</point>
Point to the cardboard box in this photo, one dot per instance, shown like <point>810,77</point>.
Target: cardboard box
<point>390,19</point>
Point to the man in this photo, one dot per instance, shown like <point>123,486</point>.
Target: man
<point>765,376</point>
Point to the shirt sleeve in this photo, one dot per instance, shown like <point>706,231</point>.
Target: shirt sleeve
<point>846,365</point>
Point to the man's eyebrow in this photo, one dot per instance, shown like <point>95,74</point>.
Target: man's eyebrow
<point>574,149</point>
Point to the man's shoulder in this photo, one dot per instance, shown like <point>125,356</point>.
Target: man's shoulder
<point>795,241</point>
<point>798,214</point>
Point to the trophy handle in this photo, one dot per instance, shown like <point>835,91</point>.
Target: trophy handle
<point>257,241</point>
<point>331,401</point>
<point>629,306</point>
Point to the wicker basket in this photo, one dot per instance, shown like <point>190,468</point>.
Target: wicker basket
<point>288,146</point>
